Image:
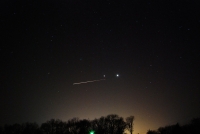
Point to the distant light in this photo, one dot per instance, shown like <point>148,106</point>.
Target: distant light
<point>117,75</point>
<point>104,75</point>
<point>91,132</point>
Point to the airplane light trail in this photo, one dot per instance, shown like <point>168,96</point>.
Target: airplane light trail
<point>88,81</point>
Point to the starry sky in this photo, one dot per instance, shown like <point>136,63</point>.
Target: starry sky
<point>46,46</point>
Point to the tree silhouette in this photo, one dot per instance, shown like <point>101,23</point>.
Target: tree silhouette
<point>98,125</point>
<point>193,127</point>
<point>172,129</point>
<point>115,124</point>
<point>72,126</point>
<point>152,132</point>
<point>13,129</point>
<point>46,128</point>
<point>53,127</point>
<point>120,125</point>
<point>110,124</point>
<point>1,130</point>
<point>129,122</point>
<point>84,126</point>
<point>31,128</point>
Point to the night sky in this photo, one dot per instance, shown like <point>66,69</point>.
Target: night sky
<point>46,46</point>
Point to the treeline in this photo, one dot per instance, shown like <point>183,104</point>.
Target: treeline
<point>191,128</point>
<point>110,124</point>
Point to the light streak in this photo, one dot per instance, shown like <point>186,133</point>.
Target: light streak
<point>87,81</point>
